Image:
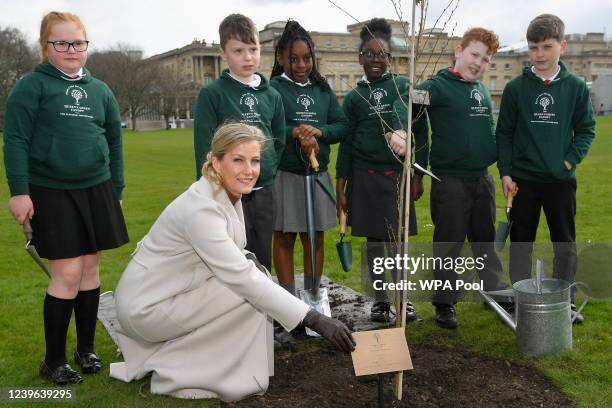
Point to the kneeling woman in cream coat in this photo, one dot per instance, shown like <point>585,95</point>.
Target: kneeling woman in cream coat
<point>194,306</point>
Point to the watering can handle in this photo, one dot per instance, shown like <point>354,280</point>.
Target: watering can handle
<point>342,222</point>
<point>314,163</point>
<point>587,291</point>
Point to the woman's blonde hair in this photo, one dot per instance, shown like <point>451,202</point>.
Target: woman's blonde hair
<point>225,138</point>
<point>48,21</point>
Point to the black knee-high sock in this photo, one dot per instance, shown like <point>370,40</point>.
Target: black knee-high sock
<point>85,315</point>
<point>56,313</point>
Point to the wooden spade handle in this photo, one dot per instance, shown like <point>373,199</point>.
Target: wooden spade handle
<point>342,223</point>
<point>314,163</point>
<point>27,229</point>
<point>510,197</point>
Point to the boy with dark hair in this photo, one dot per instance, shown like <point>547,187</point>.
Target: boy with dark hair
<point>545,128</point>
<point>243,95</point>
<point>462,148</point>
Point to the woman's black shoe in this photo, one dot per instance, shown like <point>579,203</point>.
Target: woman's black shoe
<point>90,363</point>
<point>60,375</point>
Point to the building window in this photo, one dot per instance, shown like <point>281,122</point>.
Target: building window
<point>343,44</point>
<point>330,81</point>
<point>493,83</point>
<point>207,79</point>
<point>493,66</point>
<point>508,66</point>
<point>506,80</point>
<point>344,83</point>
<point>328,44</point>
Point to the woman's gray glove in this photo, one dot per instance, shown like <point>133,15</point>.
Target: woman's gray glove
<point>333,330</point>
<point>251,256</point>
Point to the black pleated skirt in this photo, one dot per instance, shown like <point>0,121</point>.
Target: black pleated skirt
<point>373,201</point>
<point>71,223</point>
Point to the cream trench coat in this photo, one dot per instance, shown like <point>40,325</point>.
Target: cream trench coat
<point>193,310</point>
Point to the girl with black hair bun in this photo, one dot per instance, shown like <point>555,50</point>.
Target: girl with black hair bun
<point>368,173</point>
<point>314,121</point>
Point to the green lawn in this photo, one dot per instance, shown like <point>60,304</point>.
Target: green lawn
<point>159,166</point>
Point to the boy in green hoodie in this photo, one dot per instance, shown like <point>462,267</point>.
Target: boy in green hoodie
<point>462,148</point>
<point>243,95</point>
<point>545,128</point>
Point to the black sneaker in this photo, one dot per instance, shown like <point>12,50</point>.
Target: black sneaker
<point>579,317</point>
<point>60,375</point>
<point>446,316</point>
<point>381,312</point>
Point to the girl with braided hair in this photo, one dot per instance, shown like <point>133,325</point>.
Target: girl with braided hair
<point>314,121</point>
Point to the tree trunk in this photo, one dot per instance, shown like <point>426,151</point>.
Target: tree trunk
<point>133,116</point>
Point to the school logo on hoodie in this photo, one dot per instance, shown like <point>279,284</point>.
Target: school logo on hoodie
<point>251,115</point>
<point>75,102</point>
<point>305,112</point>
<point>377,96</point>
<point>478,108</point>
<point>543,112</point>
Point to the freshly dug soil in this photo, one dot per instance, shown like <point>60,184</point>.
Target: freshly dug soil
<point>441,378</point>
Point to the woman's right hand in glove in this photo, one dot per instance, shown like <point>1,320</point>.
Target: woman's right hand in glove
<point>332,329</point>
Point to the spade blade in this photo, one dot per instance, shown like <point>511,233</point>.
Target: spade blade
<point>503,230</point>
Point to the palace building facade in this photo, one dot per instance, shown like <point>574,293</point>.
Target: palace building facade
<point>588,55</point>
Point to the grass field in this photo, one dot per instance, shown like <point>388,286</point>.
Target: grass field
<point>159,166</point>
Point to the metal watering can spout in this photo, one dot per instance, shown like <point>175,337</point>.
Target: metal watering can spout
<point>505,316</point>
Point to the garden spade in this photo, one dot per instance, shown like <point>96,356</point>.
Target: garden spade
<point>30,249</point>
<point>503,228</point>
<point>312,295</point>
<point>345,250</point>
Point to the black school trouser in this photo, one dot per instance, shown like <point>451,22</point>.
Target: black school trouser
<point>464,207</point>
<point>258,209</point>
<point>559,203</point>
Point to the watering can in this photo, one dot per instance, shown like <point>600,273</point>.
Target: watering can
<point>543,323</point>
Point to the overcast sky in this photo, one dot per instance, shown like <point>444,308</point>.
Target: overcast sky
<point>158,26</point>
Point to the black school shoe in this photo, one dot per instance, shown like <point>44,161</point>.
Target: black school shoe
<point>90,363</point>
<point>446,317</point>
<point>381,312</point>
<point>411,314</point>
<point>60,375</point>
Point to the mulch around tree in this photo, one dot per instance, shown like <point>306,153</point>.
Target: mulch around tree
<point>441,378</point>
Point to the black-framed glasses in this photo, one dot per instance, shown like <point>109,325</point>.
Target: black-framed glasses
<point>371,54</point>
<point>64,46</point>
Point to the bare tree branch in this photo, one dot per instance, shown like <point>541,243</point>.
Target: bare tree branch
<point>16,59</point>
